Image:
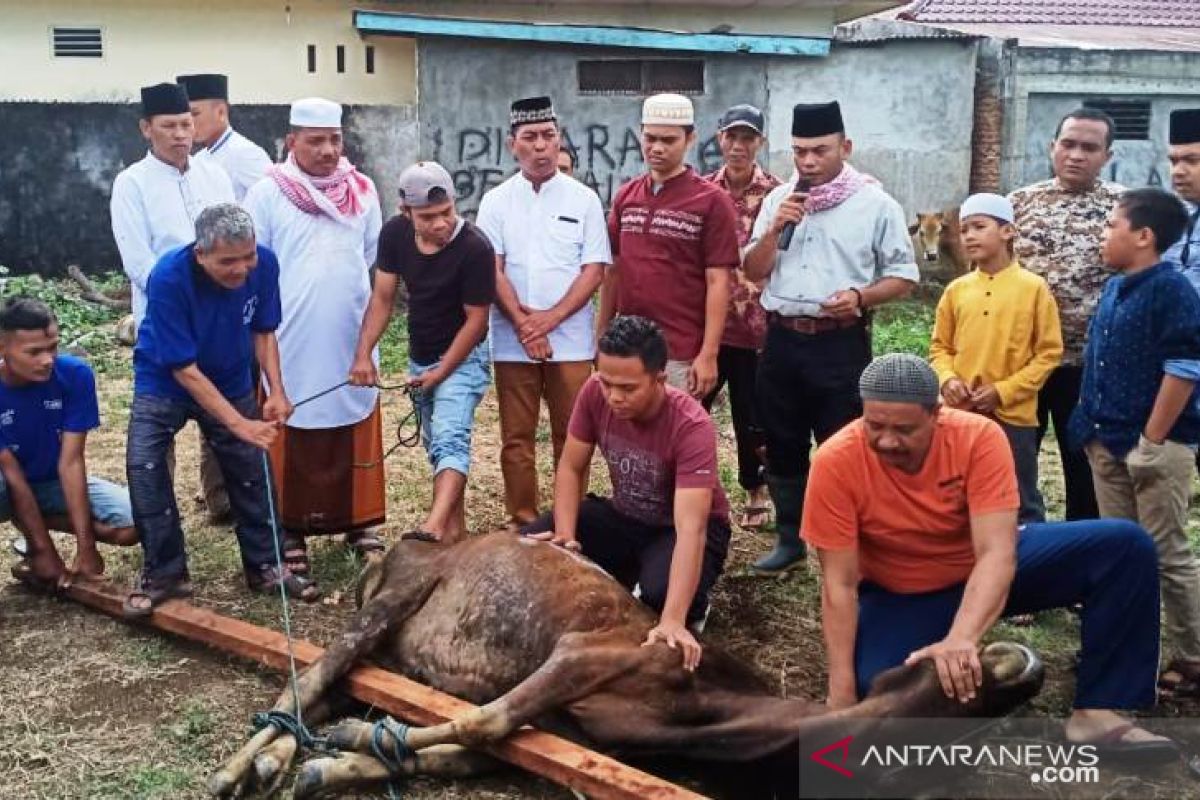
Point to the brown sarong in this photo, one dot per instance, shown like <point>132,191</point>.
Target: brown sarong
<point>330,480</point>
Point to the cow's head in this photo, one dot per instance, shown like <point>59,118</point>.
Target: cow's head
<point>927,234</point>
<point>1012,674</point>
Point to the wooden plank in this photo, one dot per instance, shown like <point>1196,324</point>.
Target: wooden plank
<point>552,757</point>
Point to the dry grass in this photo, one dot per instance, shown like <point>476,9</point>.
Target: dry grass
<point>93,708</point>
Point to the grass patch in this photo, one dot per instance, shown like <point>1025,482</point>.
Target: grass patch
<point>903,327</point>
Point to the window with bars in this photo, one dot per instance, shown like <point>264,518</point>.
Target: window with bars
<point>1131,117</point>
<point>641,76</point>
<point>77,42</point>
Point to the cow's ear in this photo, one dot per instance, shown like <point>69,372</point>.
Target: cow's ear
<point>912,229</point>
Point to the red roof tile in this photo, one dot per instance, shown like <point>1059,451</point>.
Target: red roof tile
<point>1134,13</point>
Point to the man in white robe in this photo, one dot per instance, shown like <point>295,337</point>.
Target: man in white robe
<point>322,218</point>
<point>245,162</point>
<point>154,205</point>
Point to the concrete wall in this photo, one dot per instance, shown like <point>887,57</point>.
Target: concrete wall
<point>263,47</point>
<point>907,106</point>
<point>54,199</point>
<point>464,120</point>
<point>1048,83</point>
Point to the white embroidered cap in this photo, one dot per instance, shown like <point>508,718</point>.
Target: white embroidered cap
<point>993,205</point>
<point>668,109</point>
<point>315,112</point>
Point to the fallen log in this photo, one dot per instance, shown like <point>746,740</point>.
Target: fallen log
<point>89,291</point>
<point>552,757</point>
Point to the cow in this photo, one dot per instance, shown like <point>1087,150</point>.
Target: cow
<point>938,245</point>
<point>530,631</point>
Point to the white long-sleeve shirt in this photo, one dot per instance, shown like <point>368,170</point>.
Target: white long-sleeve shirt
<point>154,208</point>
<point>245,162</point>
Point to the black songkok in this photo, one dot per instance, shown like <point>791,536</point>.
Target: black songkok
<point>1185,126</point>
<point>164,98</point>
<point>810,120</point>
<point>204,87</point>
<point>531,109</point>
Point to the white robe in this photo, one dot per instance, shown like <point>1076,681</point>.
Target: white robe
<point>324,287</point>
<point>154,208</point>
<point>245,162</point>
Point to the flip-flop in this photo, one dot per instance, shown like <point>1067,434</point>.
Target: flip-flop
<point>296,586</point>
<point>157,591</point>
<point>295,555</point>
<point>1113,745</point>
<point>421,536</point>
<point>365,541</point>
<point>762,511</point>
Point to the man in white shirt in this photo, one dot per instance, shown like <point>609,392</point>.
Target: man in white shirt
<point>847,251</point>
<point>244,161</point>
<point>551,243</point>
<point>154,205</point>
<point>321,216</point>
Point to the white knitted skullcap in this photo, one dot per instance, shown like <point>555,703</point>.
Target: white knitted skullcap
<point>315,112</point>
<point>899,378</point>
<point>668,109</point>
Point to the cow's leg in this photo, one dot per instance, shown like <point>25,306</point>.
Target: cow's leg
<point>364,631</point>
<point>357,771</point>
<point>273,760</point>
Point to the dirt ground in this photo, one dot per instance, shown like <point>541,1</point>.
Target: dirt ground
<point>94,708</point>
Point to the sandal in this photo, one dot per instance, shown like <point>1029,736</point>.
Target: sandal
<point>422,536</point>
<point>1180,679</point>
<point>1114,745</point>
<point>269,578</point>
<point>155,591</point>
<point>295,554</point>
<point>365,542</point>
<point>750,512</point>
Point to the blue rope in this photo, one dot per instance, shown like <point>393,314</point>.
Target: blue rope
<point>392,756</point>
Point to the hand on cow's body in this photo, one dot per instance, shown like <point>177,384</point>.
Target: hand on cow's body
<point>985,399</point>
<point>674,633</point>
<point>566,541</point>
<point>702,376</point>
<point>277,408</point>
<point>256,432</point>
<point>955,393</point>
<point>790,210</point>
<point>363,372</point>
<point>537,324</point>
<point>842,304</point>
<point>957,663</point>
<point>538,349</point>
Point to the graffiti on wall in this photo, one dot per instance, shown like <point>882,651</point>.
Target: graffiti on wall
<point>606,156</point>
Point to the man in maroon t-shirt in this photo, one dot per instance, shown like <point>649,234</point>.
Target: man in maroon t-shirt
<point>666,527</point>
<point>674,239</point>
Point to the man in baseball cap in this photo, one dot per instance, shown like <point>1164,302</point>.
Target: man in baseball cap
<point>449,271</point>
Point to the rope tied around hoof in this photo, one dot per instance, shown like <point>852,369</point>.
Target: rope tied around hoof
<point>392,756</point>
<point>289,723</point>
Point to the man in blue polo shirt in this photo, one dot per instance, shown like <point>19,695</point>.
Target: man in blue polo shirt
<point>47,406</point>
<point>213,305</point>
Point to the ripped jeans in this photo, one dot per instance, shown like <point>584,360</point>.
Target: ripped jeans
<point>153,423</point>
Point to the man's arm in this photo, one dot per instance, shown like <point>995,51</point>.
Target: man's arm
<point>200,388</point>
<point>1047,354</point>
<point>994,540</point>
<point>277,407</point>
<point>839,621</point>
<point>758,261</point>
<point>26,513</point>
<point>716,306</point>
<point>468,336</point>
<point>375,321</point>
<point>692,507</point>
<point>72,476</point>
<point>609,287</point>
<point>131,234</point>
<point>539,323</point>
<point>1174,394</point>
<point>568,487</point>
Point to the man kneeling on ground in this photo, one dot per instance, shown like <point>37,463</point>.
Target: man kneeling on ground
<point>913,511</point>
<point>47,406</point>
<point>212,305</point>
<point>666,527</point>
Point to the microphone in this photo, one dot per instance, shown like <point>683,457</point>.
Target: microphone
<point>803,184</point>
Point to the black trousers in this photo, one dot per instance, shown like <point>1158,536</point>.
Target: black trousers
<point>807,390</point>
<point>639,554</point>
<point>1056,401</point>
<point>738,367</point>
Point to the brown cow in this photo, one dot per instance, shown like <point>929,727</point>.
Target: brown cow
<point>938,244</point>
<point>530,632</point>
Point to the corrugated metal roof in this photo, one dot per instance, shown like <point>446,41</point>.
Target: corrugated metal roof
<point>1134,13</point>
<point>1090,37</point>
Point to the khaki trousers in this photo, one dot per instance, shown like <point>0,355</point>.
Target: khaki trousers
<point>1152,486</point>
<point>520,388</point>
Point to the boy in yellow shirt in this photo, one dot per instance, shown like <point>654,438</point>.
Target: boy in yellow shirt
<point>996,338</point>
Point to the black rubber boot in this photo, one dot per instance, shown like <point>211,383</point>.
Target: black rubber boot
<point>788,496</point>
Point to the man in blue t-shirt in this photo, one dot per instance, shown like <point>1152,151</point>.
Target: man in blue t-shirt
<point>213,306</point>
<point>47,406</point>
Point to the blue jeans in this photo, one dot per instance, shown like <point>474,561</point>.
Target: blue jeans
<point>109,502</point>
<point>448,412</point>
<point>153,423</point>
<point>1110,566</point>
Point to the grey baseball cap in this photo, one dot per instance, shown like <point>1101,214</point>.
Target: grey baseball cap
<point>425,183</point>
<point>742,116</point>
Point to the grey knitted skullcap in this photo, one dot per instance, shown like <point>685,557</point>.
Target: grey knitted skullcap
<point>899,378</point>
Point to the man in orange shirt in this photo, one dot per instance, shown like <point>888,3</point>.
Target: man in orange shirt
<point>913,512</point>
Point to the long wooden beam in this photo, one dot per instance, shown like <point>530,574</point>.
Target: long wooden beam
<point>552,757</point>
